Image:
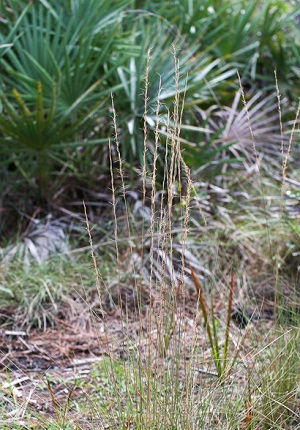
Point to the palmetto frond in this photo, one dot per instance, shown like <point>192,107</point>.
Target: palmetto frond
<point>254,127</point>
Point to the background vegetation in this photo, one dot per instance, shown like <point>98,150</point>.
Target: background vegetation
<point>177,124</point>
<point>61,61</point>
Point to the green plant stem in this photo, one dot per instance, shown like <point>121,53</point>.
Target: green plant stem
<point>213,345</point>
<point>229,307</point>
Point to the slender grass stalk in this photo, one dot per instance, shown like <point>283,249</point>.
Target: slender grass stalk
<point>96,271</point>
<point>228,319</point>
<point>217,356</point>
<point>221,361</point>
<point>204,308</point>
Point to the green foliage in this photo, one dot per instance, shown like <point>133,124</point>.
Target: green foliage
<point>39,131</point>
<point>54,66</point>
<point>279,383</point>
<point>39,289</point>
<point>54,42</point>
<point>220,357</point>
<point>60,62</point>
<point>256,37</point>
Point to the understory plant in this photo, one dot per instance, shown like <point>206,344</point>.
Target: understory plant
<point>275,382</point>
<point>220,358</point>
<point>54,67</point>
<point>144,305</point>
<point>56,64</point>
<point>38,133</point>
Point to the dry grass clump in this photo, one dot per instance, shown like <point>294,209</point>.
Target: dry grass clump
<point>174,362</point>
<point>186,268</point>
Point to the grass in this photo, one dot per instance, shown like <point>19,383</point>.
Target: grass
<point>43,292</point>
<point>163,378</point>
<point>157,366</point>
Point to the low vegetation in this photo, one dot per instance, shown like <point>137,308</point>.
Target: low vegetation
<point>149,273</point>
